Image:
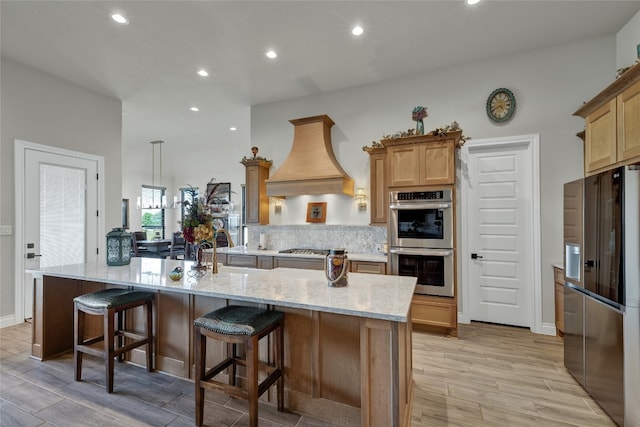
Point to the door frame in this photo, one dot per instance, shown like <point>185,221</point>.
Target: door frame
<point>20,148</point>
<point>532,153</point>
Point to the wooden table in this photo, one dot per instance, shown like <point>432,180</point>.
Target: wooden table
<point>348,354</point>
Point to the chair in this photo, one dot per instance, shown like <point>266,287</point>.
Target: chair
<point>111,303</point>
<point>178,246</point>
<point>136,236</point>
<point>239,325</point>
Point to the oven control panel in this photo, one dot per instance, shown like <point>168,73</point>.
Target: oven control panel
<point>439,195</point>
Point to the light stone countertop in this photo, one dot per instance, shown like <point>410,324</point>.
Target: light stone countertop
<point>367,295</point>
<point>242,250</point>
<point>558,265</point>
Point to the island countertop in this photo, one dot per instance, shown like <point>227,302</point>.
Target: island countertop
<point>367,295</point>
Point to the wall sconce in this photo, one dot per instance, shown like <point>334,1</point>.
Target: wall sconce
<point>277,204</point>
<point>361,197</point>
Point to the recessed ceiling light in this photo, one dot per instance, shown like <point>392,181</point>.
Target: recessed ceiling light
<point>119,18</point>
<point>472,2</point>
<point>203,73</point>
<point>271,54</point>
<point>233,128</point>
<point>357,30</point>
<point>194,109</point>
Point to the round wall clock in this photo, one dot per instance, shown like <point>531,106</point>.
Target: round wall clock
<point>501,105</point>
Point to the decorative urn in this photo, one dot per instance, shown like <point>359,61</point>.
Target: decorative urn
<point>118,247</point>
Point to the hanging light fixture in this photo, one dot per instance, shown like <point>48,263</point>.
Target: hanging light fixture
<point>161,201</point>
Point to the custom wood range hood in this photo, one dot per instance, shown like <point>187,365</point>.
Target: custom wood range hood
<point>311,167</point>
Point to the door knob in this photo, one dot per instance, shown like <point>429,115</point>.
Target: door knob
<point>476,256</point>
<point>31,255</point>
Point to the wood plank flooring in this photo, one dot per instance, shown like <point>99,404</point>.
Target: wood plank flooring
<point>497,376</point>
<point>490,376</point>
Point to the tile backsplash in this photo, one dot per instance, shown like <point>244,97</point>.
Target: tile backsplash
<point>356,239</point>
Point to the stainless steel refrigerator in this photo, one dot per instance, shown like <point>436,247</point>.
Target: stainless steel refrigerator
<point>602,283</point>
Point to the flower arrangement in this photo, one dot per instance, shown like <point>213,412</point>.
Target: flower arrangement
<point>419,113</point>
<point>197,226</point>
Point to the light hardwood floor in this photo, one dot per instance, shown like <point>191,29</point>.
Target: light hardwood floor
<point>490,376</point>
<point>497,376</point>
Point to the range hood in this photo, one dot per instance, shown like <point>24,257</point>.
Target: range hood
<point>311,167</point>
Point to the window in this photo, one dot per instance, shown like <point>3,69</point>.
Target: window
<point>186,195</point>
<point>153,218</point>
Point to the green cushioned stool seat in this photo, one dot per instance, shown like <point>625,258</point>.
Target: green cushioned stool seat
<point>111,304</point>
<point>112,298</point>
<point>239,325</point>
<point>239,320</point>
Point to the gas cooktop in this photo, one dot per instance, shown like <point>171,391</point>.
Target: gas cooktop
<point>305,251</point>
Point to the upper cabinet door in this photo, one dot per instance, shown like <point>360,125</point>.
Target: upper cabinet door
<point>424,164</point>
<point>404,165</point>
<point>600,149</point>
<point>437,163</point>
<point>629,122</point>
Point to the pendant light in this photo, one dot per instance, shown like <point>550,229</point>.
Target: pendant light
<point>161,202</point>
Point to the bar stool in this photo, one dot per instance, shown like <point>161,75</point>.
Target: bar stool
<point>110,303</point>
<point>239,325</point>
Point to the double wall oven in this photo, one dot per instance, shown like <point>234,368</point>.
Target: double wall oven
<point>421,239</point>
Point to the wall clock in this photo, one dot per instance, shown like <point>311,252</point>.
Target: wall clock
<point>501,105</point>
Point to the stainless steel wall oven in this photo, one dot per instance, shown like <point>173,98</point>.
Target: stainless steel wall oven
<point>421,239</point>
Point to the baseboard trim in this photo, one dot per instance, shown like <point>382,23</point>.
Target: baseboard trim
<point>548,329</point>
<point>7,321</point>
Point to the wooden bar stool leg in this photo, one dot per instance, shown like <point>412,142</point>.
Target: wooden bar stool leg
<point>200,344</point>
<point>78,321</point>
<point>231,352</point>
<point>279,356</point>
<point>108,347</point>
<point>149,308</point>
<point>252,379</point>
<point>120,337</point>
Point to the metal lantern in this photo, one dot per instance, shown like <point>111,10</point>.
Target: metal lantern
<point>118,247</point>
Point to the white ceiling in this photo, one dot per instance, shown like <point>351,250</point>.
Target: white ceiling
<point>150,63</point>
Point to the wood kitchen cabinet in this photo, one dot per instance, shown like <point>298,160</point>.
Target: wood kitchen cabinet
<point>558,279</point>
<point>256,199</point>
<point>292,262</point>
<point>413,161</point>
<point>378,198</point>
<point>238,260</point>
<point>423,160</point>
<point>435,313</point>
<point>612,124</point>
<point>368,267</point>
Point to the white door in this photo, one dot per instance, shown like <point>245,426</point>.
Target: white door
<point>59,214</point>
<point>499,252</point>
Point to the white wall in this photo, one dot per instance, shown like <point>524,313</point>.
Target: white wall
<point>40,108</point>
<point>627,40</point>
<point>549,85</point>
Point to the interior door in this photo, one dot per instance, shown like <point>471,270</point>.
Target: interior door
<point>60,207</point>
<point>500,243</point>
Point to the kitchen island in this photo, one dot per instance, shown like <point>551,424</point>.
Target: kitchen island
<point>347,350</point>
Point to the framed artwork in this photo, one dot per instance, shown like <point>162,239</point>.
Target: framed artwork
<point>317,212</point>
<point>125,213</point>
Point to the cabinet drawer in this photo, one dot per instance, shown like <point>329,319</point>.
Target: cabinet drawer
<point>368,267</point>
<point>265,262</point>
<point>287,262</point>
<point>241,260</point>
<point>558,275</point>
<point>426,312</point>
